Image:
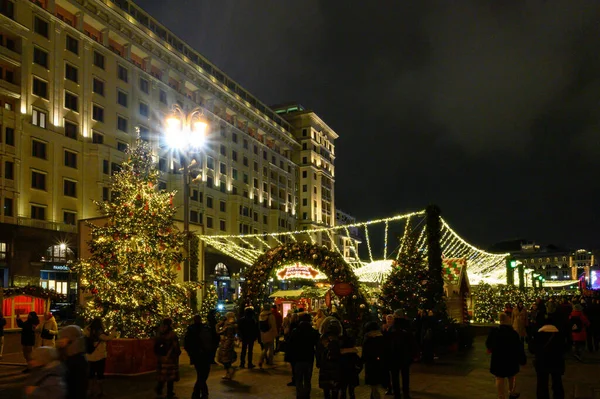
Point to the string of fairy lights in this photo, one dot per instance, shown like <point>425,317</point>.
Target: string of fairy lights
<point>482,265</point>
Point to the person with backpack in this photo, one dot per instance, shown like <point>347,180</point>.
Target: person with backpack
<point>248,329</point>
<point>268,333</point>
<point>549,346</point>
<point>329,357</point>
<point>579,324</point>
<point>198,344</point>
<point>166,348</point>
<point>96,340</point>
<point>375,358</point>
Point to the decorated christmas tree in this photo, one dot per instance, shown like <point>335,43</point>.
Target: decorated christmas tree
<point>209,301</point>
<point>135,253</point>
<point>406,285</point>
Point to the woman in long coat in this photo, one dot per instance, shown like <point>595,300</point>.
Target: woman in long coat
<point>508,354</point>
<point>519,321</point>
<point>167,350</point>
<point>226,355</point>
<point>374,357</point>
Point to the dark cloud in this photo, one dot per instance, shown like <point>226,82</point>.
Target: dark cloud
<point>489,109</point>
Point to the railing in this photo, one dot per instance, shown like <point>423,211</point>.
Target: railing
<point>47,225</point>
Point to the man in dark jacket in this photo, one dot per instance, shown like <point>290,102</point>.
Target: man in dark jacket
<point>302,346</point>
<point>402,345</point>
<point>71,344</point>
<point>249,332</point>
<point>198,344</point>
<point>28,335</point>
<point>549,346</point>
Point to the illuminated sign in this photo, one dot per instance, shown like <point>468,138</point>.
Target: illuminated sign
<point>61,267</point>
<point>299,271</point>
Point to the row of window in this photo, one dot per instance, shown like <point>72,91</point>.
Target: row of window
<point>38,181</point>
<point>38,212</point>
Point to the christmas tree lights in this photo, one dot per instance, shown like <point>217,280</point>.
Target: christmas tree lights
<point>209,301</point>
<point>135,254</point>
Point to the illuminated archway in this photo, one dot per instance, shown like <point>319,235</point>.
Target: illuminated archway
<point>321,258</point>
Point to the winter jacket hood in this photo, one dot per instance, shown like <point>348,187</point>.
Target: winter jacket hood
<point>549,328</point>
<point>264,315</point>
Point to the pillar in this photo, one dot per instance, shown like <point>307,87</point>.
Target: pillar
<point>434,253</point>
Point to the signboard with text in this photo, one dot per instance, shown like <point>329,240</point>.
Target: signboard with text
<point>299,271</point>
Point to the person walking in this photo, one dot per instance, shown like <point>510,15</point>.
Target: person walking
<point>508,353</point>
<point>328,358</point>
<point>350,364</point>
<point>96,346</point>
<point>279,324</point>
<point>268,332</point>
<point>301,349</point>
<point>293,324</point>
<point>519,321</point>
<point>167,350</point>
<point>579,324</point>
<point>48,330</point>
<point>212,326</point>
<point>248,329</point>
<point>198,344</point>
<point>318,320</point>
<point>227,330</point>
<point>47,378</point>
<point>375,359</point>
<point>28,335</point>
<point>402,346</point>
<point>2,324</point>
<point>549,346</point>
<point>71,347</point>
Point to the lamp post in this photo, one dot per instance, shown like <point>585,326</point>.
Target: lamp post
<point>186,132</point>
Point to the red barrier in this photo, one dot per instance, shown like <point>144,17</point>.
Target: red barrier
<point>129,356</point>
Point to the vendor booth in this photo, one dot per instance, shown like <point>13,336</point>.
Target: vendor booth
<point>308,298</point>
<point>457,289</point>
<point>18,302</point>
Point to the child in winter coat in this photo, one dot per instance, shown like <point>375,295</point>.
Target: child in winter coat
<point>47,377</point>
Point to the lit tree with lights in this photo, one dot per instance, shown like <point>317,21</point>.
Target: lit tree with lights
<point>406,286</point>
<point>209,301</point>
<point>134,257</point>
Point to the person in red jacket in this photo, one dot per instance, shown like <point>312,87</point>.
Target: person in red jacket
<point>279,324</point>
<point>579,324</point>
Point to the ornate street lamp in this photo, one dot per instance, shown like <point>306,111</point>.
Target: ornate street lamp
<point>186,133</point>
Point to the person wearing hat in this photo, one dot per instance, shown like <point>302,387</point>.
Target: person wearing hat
<point>71,345</point>
<point>268,333</point>
<point>47,377</point>
<point>579,324</point>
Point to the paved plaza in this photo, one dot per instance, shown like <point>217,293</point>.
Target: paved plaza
<point>454,376</point>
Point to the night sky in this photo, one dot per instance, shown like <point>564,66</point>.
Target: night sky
<point>489,109</point>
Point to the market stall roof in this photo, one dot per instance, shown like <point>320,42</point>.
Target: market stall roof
<point>287,294</point>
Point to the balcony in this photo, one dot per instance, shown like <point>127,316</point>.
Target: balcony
<point>47,225</point>
<point>9,88</point>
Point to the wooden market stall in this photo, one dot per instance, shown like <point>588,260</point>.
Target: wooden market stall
<point>457,289</point>
<point>309,298</point>
<point>19,301</point>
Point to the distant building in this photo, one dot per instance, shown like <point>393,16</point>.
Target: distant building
<point>347,240</point>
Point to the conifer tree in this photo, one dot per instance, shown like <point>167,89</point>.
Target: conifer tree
<point>135,253</point>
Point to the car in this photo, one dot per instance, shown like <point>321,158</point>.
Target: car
<point>225,306</point>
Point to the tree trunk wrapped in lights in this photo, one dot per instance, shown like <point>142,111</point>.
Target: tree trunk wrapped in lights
<point>132,271</point>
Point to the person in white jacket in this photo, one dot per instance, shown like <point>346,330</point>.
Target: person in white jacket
<point>97,339</point>
<point>47,331</point>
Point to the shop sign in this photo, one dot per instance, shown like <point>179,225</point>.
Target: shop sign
<point>299,271</point>
<point>64,268</point>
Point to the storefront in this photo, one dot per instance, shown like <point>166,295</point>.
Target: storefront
<point>56,271</point>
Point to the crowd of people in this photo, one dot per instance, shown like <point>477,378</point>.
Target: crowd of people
<point>548,330</point>
<point>70,362</point>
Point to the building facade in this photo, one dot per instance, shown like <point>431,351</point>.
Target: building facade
<point>81,79</point>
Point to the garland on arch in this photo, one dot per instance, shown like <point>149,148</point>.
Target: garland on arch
<point>329,262</point>
<point>33,290</point>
